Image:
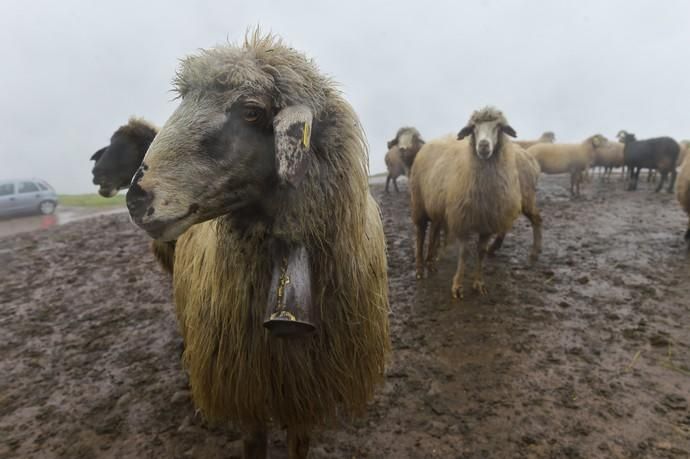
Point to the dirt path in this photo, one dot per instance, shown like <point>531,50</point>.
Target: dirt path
<point>585,354</point>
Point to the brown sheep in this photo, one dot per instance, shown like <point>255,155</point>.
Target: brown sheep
<point>546,137</point>
<point>561,158</point>
<point>402,151</point>
<point>683,192</point>
<point>466,186</point>
<point>263,159</point>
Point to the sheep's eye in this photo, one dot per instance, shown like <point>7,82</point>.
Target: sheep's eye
<point>251,115</point>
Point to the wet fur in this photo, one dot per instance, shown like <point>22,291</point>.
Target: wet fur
<point>453,189</point>
<point>237,371</point>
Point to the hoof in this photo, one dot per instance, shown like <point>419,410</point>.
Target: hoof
<point>478,286</point>
<point>457,293</point>
<point>420,276</point>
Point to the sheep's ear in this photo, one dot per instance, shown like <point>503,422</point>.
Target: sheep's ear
<point>392,143</point>
<point>508,130</point>
<point>96,156</point>
<point>467,130</point>
<point>292,130</point>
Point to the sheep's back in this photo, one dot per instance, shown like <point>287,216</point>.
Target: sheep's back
<point>558,158</point>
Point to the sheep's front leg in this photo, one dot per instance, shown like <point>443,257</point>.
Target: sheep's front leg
<point>395,184</point>
<point>478,284</point>
<point>298,444</point>
<point>255,443</point>
<point>456,290</point>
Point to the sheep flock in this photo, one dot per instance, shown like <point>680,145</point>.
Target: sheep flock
<point>255,195</point>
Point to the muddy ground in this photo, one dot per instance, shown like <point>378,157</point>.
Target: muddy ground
<point>17,224</point>
<point>585,354</point>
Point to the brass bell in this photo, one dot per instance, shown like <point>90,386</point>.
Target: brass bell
<point>290,311</point>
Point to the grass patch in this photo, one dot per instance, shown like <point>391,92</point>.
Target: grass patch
<point>90,200</point>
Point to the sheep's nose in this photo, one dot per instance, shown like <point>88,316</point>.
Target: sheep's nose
<point>138,202</point>
<point>483,144</point>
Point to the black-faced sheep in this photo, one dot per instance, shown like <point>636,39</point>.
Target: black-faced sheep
<point>116,163</point>
<point>402,151</point>
<point>262,163</point>
<point>660,153</point>
<point>469,185</point>
<point>561,158</point>
<point>683,192</point>
<point>546,137</point>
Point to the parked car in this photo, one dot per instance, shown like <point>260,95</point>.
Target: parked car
<point>26,196</point>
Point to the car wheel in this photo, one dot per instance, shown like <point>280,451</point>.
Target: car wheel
<point>47,207</point>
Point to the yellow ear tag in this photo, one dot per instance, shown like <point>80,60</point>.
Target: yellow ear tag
<point>306,135</point>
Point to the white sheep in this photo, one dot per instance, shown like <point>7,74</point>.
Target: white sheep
<point>467,186</point>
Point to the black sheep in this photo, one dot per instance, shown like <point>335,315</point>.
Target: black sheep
<point>660,153</point>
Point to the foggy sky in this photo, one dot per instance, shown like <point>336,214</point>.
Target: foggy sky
<point>73,71</point>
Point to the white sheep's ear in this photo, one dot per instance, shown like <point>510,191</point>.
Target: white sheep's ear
<point>464,132</point>
<point>292,130</point>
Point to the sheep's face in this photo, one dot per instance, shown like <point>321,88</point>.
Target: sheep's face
<point>409,144</point>
<point>116,164</point>
<point>486,136</point>
<point>625,137</point>
<point>219,153</point>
